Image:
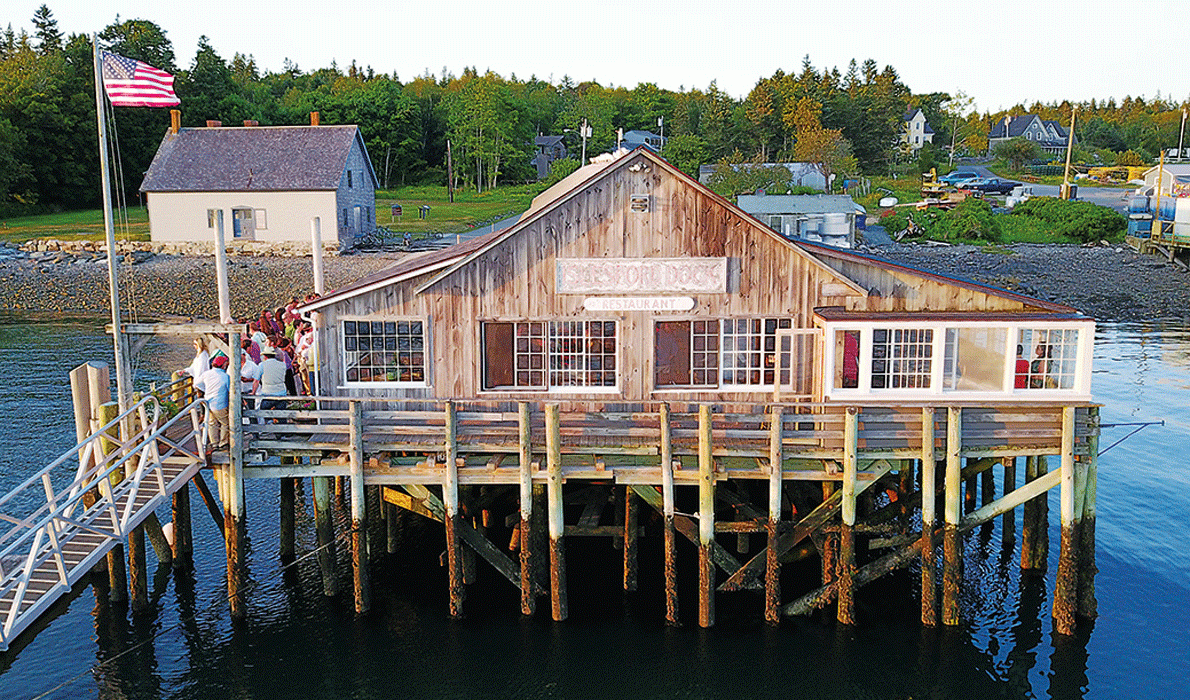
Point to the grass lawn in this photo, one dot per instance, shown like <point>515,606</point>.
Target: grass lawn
<point>82,225</point>
<point>468,211</point>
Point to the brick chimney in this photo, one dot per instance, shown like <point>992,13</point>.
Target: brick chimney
<point>175,120</point>
<point>313,118</point>
<point>251,122</point>
<point>213,123</point>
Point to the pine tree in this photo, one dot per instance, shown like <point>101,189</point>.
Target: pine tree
<point>49,39</point>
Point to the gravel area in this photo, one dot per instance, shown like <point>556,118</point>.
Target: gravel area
<point>1110,283</point>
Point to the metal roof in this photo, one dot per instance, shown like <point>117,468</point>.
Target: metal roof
<point>237,159</point>
<point>798,204</point>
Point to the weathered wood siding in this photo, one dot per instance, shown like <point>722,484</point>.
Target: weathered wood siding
<point>515,280</point>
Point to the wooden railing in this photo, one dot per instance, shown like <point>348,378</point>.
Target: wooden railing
<point>808,431</point>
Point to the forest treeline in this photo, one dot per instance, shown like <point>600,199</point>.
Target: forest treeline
<point>849,120</point>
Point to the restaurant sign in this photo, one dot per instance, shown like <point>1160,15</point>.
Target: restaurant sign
<point>642,276</point>
<point>638,303</point>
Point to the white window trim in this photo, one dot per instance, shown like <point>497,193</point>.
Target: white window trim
<point>1082,372</point>
<point>720,387</point>
<point>556,390</point>
<point>427,355</point>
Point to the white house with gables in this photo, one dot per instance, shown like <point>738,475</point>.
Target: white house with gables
<point>918,131</point>
<point>269,182</point>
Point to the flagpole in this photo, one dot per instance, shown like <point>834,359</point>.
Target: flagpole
<point>123,378</point>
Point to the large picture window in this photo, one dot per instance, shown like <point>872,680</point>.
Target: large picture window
<point>902,358</point>
<point>384,351</point>
<point>542,355</point>
<point>717,352</point>
<point>1046,358</point>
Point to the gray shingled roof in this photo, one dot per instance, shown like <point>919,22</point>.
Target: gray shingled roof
<point>269,158</point>
<point>797,204</point>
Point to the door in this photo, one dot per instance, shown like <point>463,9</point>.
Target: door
<point>243,225</point>
<point>797,364</point>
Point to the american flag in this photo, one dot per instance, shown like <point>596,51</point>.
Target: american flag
<point>130,83</point>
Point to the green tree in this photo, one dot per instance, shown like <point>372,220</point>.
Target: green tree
<point>827,151</point>
<point>1017,152</point>
<point>142,40</point>
<point>732,177</point>
<point>687,153</point>
<point>49,39</point>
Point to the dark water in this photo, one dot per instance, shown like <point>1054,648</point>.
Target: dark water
<point>298,643</point>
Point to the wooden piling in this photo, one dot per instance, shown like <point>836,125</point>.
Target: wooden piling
<point>1088,606</point>
<point>667,511</point>
<point>1008,521</point>
<point>846,563</point>
<point>324,528</point>
<point>234,506</point>
<point>772,565</point>
<point>969,491</point>
<point>706,519</point>
<point>1035,531</point>
<point>1066,581</point>
<point>553,439</point>
<point>288,503</point>
<point>361,585</point>
<point>450,499</point>
<point>138,571</point>
<point>951,564</point>
<point>631,510</point>
<point>392,533</point>
<point>987,484</point>
<point>183,533</point>
<point>929,597</point>
<point>829,542</point>
<point>524,433</point>
<point>117,568</point>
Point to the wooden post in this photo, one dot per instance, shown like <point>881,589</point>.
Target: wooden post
<point>138,571</point>
<point>969,490</point>
<point>117,567</point>
<point>829,541</point>
<point>630,549</point>
<point>361,586</point>
<point>392,533</point>
<point>987,484</point>
<point>1066,582</point>
<point>1035,531</point>
<point>183,535</point>
<point>524,434</point>
<point>288,519</point>
<point>234,506</point>
<point>553,441</point>
<point>772,565</point>
<point>667,511</point>
<point>324,527</point>
<point>1088,606</point>
<point>450,500</point>
<point>846,564</point>
<point>1008,523</point>
<point>929,597</point>
<point>951,564</point>
<point>706,519</point>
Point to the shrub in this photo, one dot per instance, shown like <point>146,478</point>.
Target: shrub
<point>1081,221</point>
<point>971,219</point>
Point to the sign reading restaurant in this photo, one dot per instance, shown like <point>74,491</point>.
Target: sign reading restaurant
<point>642,275</point>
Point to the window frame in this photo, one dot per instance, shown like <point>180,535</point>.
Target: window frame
<point>720,386</point>
<point>427,355</point>
<point>1083,348</point>
<point>547,370</point>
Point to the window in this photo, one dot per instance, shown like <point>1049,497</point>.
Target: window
<point>902,358</point>
<point>346,220</point>
<point>384,351</point>
<point>717,352</point>
<point>348,179</point>
<point>1046,359</point>
<point>544,355</point>
<point>846,360</point>
<point>262,220</point>
<point>974,359</point>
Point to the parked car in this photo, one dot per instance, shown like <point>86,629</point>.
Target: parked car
<point>990,185</point>
<point>957,177</point>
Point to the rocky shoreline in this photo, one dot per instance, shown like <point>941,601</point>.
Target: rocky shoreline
<point>1109,283</point>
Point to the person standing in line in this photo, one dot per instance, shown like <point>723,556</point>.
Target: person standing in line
<point>271,381</point>
<point>215,386</point>
<point>201,362</point>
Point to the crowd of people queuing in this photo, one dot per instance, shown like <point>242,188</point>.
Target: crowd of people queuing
<point>276,354</point>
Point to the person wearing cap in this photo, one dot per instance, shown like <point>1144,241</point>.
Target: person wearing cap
<point>215,386</point>
<point>271,380</point>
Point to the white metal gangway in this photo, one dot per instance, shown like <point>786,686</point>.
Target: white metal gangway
<point>54,538</point>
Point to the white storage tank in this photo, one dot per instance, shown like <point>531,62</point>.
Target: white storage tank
<point>836,231</point>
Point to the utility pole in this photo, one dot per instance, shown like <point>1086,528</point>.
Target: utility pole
<point>1064,193</point>
<point>450,174</point>
<point>1182,135</point>
<point>661,123</point>
<point>585,132</point>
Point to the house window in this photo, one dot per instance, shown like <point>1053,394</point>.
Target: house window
<point>242,223</point>
<point>262,219</point>
<point>348,179</point>
<point>544,355</point>
<point>391,350</point>
<point>902,358</point>
<point>974,359</point>
<point>846,360</point>
<point>1046,358</point>
<point>717,352</point>
<point>346,220</point>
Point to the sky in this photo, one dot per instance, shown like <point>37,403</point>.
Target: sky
<point>999,53</point>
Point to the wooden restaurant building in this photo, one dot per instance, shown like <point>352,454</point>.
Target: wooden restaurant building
<point>635,336</point>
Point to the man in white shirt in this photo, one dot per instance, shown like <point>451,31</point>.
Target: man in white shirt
<point>215,386</point>
<point>271,381</point>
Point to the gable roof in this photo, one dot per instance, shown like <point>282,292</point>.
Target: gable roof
<point>797,204</point>
<point>257,159</point>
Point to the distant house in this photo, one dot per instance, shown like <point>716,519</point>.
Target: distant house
<point>640,137</point>
<point>547,149</point>
<point>1048,135</point>
<point>801,174</point>
<point>269,182</point>
<point>918,131</point>
<point>1175,180</point>
<point>820,218</point>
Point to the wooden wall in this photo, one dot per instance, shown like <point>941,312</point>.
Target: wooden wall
<point>515,280</point>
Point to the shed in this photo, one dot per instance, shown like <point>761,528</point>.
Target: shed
<point>628,282</point>
<point>1175,180</point>
<point>269,182</point>
<point>820,218</point>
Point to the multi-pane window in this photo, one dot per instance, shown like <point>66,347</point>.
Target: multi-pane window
<point>546,354</point>
<point>902,358</point>
<point>1046,358</point>
<point>717,352</point>
<point>384,351</point>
